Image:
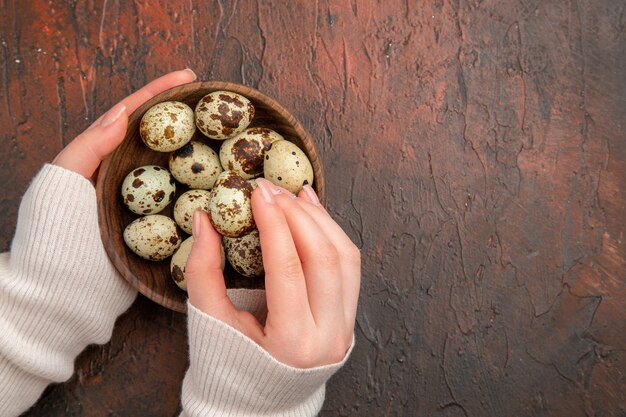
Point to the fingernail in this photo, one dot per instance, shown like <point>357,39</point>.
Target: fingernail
<point>310,194</point>
<point>195,77</point>
<point>267,190</point>
<point>195,225</point>
<point>113,114</point>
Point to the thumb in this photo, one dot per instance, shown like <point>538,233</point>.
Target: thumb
<point>84,154</point>
<point>203,271</point>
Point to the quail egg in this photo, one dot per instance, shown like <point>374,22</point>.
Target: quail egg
<point>167,126</point>
<point>230,208</point>
<point>179,261</point>
<point>195,165</point>
<point>153,237</point>
<point>287,166</point>
<point>187,204</point>
<point>244,153</point>
<point>148,189</point>
<point>244,254</point>
<point>223,114</point>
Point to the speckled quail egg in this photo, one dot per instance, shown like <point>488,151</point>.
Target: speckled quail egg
<point>230,208</point>
<point>195,165</point>
<point>179,261</point>
<point>223,114</point>
<point>153,237</point>
<point>244,254</point>
<point>187,204</point>
<point>287,166</point>
<point>167,126</point>
<point>148,189</point>
<point>245,152</point>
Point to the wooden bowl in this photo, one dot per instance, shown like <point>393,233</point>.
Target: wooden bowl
<point>153,279</point>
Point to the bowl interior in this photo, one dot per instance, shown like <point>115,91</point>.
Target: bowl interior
<point>153,279</point>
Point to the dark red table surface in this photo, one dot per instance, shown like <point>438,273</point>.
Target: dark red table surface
<point>474,150</point>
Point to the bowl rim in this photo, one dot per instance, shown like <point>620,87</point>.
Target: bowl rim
<point>249,92</point>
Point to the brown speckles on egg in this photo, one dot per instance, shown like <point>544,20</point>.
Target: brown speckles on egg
<point>177,274</point>
<point>158,196</point>
<point>195,165</point>
<point>244,153</point>
<point>148,189</point>
<point>179,262</point>
<point>168,132</point>
<point>231,98</point>
<point>184,152</point>
<point>244,254</point>
<point>144,237</point>
<point>230,209</point>
<point>187,204</point>
<point>223,114</point>
<point>236,182</point>
<point>287,165</point>
<point>167,126</point>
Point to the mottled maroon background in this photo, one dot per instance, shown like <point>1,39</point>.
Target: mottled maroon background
<point>474,149</point>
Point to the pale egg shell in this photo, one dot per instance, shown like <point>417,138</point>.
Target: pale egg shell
<point>148,189</point>
<point>223,114</point>
<point>167,126</point>
<point>179,261</point>
<point>195,165</point>
<point>153,237</point>
<point>230,208</point>
<point>287,166</point>
<point>245,152</point>
<point>187,204</point>
<point>244,254</point>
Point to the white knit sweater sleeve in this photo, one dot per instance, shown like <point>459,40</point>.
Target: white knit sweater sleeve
<point>230,375</point>
<point>58,290</point>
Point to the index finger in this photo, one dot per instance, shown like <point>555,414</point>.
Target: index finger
<point>286,292</point>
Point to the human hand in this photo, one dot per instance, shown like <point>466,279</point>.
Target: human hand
<point>84,154</point>
<point>312,278</point>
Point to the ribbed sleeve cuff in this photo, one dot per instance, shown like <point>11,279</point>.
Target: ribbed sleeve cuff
<point>18,390</point>
<point>58,290</point>
<point>230,374</point>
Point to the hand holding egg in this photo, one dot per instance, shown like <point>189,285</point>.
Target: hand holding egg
<point>312,279</point>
